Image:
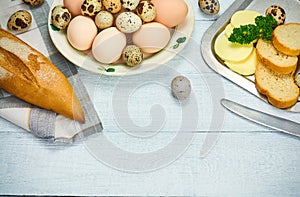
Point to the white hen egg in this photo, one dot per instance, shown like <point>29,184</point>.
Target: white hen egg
<point>151,37</point>
<point>108,45</point>
<point>81,32</point>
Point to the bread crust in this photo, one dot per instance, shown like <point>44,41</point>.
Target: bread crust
<point>282,104</point>
<point>281,45</point>
<point>270,56</point>
<point>29,75</point>
<point>273,98</point>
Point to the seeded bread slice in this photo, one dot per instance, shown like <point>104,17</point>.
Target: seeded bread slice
<point>280,89</point>
<point>275,59</point>
<point>286,38</point>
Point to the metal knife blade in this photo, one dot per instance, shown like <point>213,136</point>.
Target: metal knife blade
<point>268,120</point>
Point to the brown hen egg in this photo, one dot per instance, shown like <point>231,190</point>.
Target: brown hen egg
<point>73,6</point>
<point>170,12</point>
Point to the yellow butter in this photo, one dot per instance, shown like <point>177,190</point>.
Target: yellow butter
<point>243,17</point>
<point>228,30</point>
<point>245,67</point>
<point>229,51</point>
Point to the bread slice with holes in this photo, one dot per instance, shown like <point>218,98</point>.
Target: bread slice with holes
<point>280,89</point>
<point>275,59</point>
<point>286,38</point>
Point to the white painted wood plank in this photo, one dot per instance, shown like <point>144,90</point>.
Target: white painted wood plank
<point>240,164</point>
<point>247,160</point>
<point>104,91</point>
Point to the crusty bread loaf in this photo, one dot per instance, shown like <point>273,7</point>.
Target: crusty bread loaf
<point>280,89</point>
<point>29,75</point>
<point>286,38</point>
<point>275,59</point>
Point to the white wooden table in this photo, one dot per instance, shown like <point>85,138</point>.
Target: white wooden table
<point>244,159</point>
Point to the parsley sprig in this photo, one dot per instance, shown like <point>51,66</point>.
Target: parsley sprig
<point>246,34</point>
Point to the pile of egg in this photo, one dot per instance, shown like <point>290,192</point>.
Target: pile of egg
<point>119,30</point>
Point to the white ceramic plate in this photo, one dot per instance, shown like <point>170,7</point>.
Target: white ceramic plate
<point>178,40</point>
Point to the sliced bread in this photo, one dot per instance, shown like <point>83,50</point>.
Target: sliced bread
<point>275,59</point>
<point>280,89</point>
<point>286,38</point>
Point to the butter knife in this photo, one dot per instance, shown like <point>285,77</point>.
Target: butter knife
<point>268,120</point>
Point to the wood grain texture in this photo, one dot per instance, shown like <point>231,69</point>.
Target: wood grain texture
<point>247,159</point>
<point>240,164</point>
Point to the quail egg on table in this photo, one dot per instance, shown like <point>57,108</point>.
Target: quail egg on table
<point>146,10</point>
<point>209,6</point>
<point>132,55</point>
<point>128,22</point>
<point>104,19</point>
<point>181,87</point>
<point>277,12</point>
<point>34,2</point>
<point>60,17</point>
<point>113,6</point>
<point>20,20</point>
<point>91,7</point>
<point>130,5</point>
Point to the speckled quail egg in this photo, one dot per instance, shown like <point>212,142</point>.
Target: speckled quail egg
<point>113,6</point>
<point>19,21</point>
<point>104,19</point>
<point>130,5</point>
<point>146,10</point>
<point>34,2</point>
<point>132,55</point>
<point>209,6</point>
<point>91,7</point>
<point>277,12</point>
<point>128,22</point>
<point>60,17</point>
<point>181,87</point>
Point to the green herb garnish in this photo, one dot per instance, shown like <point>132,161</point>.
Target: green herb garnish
<point>246,34</point>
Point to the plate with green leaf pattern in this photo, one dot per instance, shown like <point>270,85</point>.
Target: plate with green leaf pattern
<point>180,37</point>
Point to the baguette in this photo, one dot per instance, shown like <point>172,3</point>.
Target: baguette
<point>29,75</point>
<point>275,59</point>
<point>286,38</point>
<point>280,89</point>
